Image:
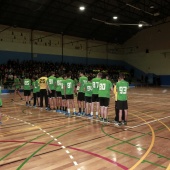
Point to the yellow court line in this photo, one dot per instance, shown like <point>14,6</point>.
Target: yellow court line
<point>168,168</point>
<point>150,147</point>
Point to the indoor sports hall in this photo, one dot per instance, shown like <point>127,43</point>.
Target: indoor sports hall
<point>66,37</point>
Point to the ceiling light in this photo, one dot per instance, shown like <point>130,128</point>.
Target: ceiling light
<point>152,7</point>
<point>140,25</point>
<point>82,8</point>
<point>115,17</point>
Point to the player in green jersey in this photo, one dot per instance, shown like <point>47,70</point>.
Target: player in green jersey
<point>27,90</point>
<point>51,83</point>
<point>95,90</point>
<point>64,102</point>
<point>58,93</point>
<point>37,91</point>
<point>34,91</point>
<point>105,87</point>
<point>69,92</point>
<point>81,96</point>
<point>88,97</point>
<point>122,87</point>
<point>17,85</point>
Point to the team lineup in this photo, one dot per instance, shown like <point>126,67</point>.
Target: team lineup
<point>93,95</point>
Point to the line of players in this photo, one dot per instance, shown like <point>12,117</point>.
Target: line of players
<point>59,95</point>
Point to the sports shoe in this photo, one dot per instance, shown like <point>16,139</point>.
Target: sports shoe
<point>97,117</point>
<point>90,116</point>
<point>83,113</point>
<point>78,114</point>
<point>114,121</point>
<point>105,120</point>
<point>74,113</point>
<point>101,119</point>
<point>118,124</point>
<point>59,111</point>
<point>124,123</point>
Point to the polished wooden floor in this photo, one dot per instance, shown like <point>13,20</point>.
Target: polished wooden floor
<point>31,139</point>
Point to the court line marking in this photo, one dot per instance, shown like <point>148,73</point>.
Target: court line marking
<point>79,150</point>
<point>150,147</point>
<point>168,168</point>
<point>132,127</point>
<point>74,162</point>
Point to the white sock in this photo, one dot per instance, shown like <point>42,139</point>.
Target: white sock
<point>91,113</point>
<point>68,110</point>
<point>96,113</point>
<point>74,110</point>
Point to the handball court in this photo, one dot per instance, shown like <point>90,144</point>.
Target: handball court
<point>31,139</point>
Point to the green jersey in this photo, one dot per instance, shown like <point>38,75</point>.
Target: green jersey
<point>88,89</point>
<point>34,87</point>
<point>95,85</point>
<point>62,86</point>
<point>104,88</point>
<point>121,87</point>
<point>58,88</point>
<point>37,85</point>
<point>27,84</point>
<point>17,83</point>
<point>51,81</point>
<point>82,81</point>
<point>70,84</point>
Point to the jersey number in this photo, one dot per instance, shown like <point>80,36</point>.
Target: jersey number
<point>42,80</point>
<point>102,86</point>
<point>26,83</point>
<point>123,90</point>
<point>95,85</point>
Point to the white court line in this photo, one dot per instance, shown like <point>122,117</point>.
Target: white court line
<point>132,127</point>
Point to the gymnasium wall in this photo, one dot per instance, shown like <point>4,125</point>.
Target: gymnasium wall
<point>15,43</point>
<point>149,51</point>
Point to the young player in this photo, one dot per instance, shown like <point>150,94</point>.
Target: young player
<point>116,120</point>
<point>27,90</point>
<point>43,90</point>
<point>88,97</point>
<point>122,87</point>
<point>95,97</point>
<point>64,103</point>
<point>34,91</point>
<point>81,96</point>
<point>69,92</point>
<point>105,86</point>
<point>37,91</point>
<point>58,94</point>
<point>51,83</point>
<point>17,86</point>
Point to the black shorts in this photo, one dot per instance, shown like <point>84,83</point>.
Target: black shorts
<point>38,94</point>
<point>52,94</point>
<point>122,105</point>
<point>27,92</point>
<point>69,96</point>
<point>88,99</point>
<point>58,94</point>
<point>95,98</point>
<point>104,101</point>
<point>63,97</point>
<point>81,96</point>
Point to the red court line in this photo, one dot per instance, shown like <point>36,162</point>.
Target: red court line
<point>80,150</point>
